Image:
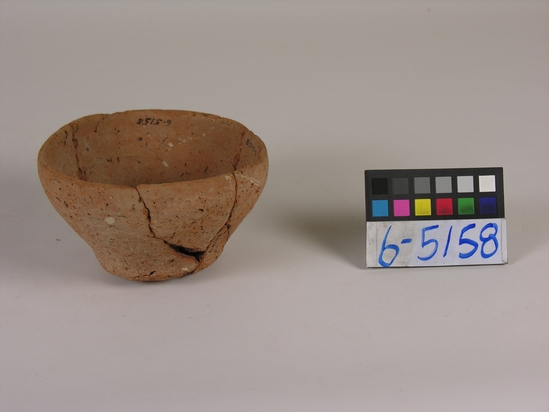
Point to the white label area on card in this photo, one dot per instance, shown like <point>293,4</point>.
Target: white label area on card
<point>436,242</point>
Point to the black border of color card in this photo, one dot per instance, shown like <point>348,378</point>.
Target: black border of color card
<point>431,195</point>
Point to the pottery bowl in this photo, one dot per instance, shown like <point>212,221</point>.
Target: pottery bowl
<point>155,193</point>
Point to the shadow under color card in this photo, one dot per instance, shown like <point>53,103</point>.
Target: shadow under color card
<point>433,217</point>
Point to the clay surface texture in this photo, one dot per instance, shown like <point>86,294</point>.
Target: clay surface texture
<point>155,193</point>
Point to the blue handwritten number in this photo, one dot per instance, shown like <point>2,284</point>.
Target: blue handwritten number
<point>447,242</point>
<point>491,236</point>
<point>384,247</point>
<point>466,241</point>
<point>425,242</point>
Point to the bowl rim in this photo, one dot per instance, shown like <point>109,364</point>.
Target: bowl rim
<point>43,163</point>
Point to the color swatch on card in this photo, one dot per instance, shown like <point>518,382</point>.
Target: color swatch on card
<point>423,194</point>
<point>471,197</point>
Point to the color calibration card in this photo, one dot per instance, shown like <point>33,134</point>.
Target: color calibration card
<point>435,217</point>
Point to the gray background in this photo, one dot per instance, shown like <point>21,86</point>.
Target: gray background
<point>288,318</point>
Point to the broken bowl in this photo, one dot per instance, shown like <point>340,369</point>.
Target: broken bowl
<point>155,193</point>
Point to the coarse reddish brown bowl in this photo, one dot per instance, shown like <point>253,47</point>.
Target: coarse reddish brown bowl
<point>155,193</point>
